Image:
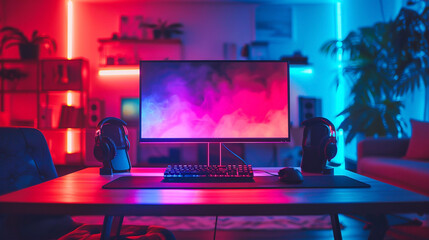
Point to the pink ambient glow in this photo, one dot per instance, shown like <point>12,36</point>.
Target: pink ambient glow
<point>69,98</point>
<point>119,72</point>
<point>69,140</point>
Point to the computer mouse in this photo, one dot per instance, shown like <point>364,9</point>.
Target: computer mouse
<point>290,175</point>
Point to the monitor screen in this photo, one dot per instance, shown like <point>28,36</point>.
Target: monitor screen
<point>214,101</point>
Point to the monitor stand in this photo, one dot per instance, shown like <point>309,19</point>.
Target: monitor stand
<point>213,146</point>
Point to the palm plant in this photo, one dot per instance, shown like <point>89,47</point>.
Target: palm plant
<point>385,61</point>
<point>28,47</point>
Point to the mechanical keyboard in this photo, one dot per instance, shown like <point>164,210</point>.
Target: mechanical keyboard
<point>208,173</point>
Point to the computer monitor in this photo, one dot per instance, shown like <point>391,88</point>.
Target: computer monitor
<point>214,101</point>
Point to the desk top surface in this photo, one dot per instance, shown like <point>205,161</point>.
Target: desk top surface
<point>81,193</point>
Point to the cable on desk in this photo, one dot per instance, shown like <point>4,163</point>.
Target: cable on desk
<point>272,174</point>
<point>214,234</point>
<point>234,154</point>
<point>259,170</point>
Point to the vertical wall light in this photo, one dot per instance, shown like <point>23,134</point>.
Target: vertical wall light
<point>69,29</point>
<point>69,98</point>
<point>69,102</point>
<point>69,141</point>
<point>340,95</point>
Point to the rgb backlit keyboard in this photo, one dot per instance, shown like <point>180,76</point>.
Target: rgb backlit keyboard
<point>208,173</point>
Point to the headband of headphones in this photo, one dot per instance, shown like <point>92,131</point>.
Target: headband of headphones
<point>114,121</point>
<point>321,120</point>
<point>111,120</point>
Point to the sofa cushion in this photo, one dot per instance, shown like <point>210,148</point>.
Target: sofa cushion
<point>408,174</point>
<point>419,144</point>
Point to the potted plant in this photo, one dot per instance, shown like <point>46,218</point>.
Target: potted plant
<point>383,62</point>
<point>28,47</point>
<point>163,29</point>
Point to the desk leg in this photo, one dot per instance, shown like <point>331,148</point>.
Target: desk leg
<point>111,227</point>
<point>336,228</point>
<point>379,226</point>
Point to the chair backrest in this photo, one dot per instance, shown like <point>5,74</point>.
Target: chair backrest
<point>25,159</point>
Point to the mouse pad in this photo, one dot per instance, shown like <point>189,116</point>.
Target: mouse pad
<point>142,182</point>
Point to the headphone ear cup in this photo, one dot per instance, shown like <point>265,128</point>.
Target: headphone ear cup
<point>331,149</point>
<point>323,144</point>
<point>98,151</point>
<point>109,148</point>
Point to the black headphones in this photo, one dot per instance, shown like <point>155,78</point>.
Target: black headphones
<point>106,147</point>
<point>319,143</point>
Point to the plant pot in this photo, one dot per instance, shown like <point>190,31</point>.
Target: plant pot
<point>160,34</point>
<point>29,51</point>
<point>167,34</point>
<point>157,34</point>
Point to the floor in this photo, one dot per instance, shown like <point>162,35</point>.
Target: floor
<point>403,229</point>
<point>353,231</point>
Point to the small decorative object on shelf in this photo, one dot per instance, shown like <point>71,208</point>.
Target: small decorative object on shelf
<point>163,30</point>
<point>256,50</point>
<point>71,117</point>
<point>129,27</point>
<point>13,75</point>
<point>62,74</point>
<point>28,47</point>
<point>296,58</point>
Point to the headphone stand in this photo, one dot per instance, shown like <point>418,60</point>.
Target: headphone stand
<point>106,171</point>
<point>328,171</point>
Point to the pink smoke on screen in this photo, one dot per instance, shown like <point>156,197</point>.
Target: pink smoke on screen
<point>246,103</point>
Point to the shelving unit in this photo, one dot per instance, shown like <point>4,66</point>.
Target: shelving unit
<point>131,51</point>
<point>50,95</point>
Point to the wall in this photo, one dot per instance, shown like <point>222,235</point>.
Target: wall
<point>46,16</point>
<point>205,34</point>
<point>2,12</point>
<point>208,26</point>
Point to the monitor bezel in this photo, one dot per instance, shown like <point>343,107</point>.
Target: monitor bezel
<point>214,140</point>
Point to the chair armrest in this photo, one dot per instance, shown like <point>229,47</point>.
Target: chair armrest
<point>389,147</point>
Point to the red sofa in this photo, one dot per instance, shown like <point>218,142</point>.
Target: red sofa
<point>382,159</point>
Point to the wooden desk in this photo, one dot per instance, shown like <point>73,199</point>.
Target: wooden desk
<point>81,193</point>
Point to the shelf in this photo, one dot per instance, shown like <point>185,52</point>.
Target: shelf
<point>139,41</point>
<point>53,92</point>
<point>125,66</point>
<point>17,60</point>
<point>119,70</point>
<point>19,91</point>
<point>130,51</point>
<point>60,129</point>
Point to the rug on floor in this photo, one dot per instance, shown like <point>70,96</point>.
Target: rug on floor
<point>224,222</point>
